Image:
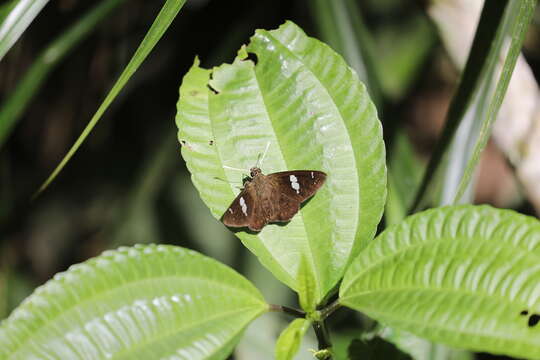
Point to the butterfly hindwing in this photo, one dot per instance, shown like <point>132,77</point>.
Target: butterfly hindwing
<point>286,208</point>
<point>298,185</point>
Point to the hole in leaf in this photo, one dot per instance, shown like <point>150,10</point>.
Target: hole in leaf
<point>253,57</point>
<point>524,313</point>
<point>185,144</point>
<point>533,320</point>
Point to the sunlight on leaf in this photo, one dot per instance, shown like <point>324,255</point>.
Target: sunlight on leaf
<point>466,276</point>
<point>298,95</point>
<point>143,302</point>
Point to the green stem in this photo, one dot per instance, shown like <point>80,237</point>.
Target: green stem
<point>328,310</point>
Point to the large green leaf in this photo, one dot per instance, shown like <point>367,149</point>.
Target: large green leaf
<point>145,302</point>
<point>303,99</point>
<point>460,275</point>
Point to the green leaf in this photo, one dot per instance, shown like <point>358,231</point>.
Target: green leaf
<point>404,173</point>
<point>289,340</point>
<point>54,53</point>
<point>5,9</point>
<point>308,104</point>
<point>306,287</point>
<point>16,22</point>
<point>485,46</point>
<point>165,17</point>
<point>341,25</point>
<point>459,275</point>
<point>144,302</point>
<point>374,349</point>
<point>398,63</point>
<point>519,15</point>
<point>422,349</point>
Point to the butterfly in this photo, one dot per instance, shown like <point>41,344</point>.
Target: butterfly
<point>270,198</point>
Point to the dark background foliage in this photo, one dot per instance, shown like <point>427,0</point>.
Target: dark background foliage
<point>128,183</point>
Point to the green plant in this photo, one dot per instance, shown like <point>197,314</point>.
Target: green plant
<point>462,275</point>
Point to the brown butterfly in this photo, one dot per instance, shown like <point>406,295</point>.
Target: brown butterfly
<point>272,198</point>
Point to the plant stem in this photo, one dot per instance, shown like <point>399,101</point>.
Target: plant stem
<point>287,310</point>
<point>323,338</point>
<point>328,310</point>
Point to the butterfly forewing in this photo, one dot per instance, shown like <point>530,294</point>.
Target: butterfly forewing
<point>298,184</point>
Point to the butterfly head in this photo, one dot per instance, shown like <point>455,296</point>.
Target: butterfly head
<point>254,171</point>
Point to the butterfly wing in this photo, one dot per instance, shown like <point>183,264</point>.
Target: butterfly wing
<point>244,212</point>
<point>286,208</point>
<point>299,185</point>
<point>240,210</point>
<point>291,189</point>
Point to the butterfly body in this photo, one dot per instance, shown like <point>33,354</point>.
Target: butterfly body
<point>272,198</point>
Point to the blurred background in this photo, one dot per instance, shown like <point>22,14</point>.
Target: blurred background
<point>128,183</point>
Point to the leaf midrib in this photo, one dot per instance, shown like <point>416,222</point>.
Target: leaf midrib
<point>453,330</point>
<point>195,324</point>
<point>409,247</point>
<point>306,68</point>
<point>64,312</point>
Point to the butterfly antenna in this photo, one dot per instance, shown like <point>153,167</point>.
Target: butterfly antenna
<point>227,181</point>
<point>259,163</point>
<point>233,168</point>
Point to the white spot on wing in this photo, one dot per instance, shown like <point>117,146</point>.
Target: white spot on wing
<point>294,183</point>
<point>230,210</point>
<point>312,174</point>
<point>243,205</point>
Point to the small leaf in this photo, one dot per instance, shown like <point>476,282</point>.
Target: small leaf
<point>306,287</point>
<point>289,340</point>
<point>145,302</point>
<point>466,276</point>
<point>294,92</point>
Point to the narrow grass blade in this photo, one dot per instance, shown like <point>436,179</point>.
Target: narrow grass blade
<point>489,27</point>
<point>16,22</point>
<point>341,26</point>
<point>159,26</point>
<point>29,85</point>
<point>520,14</point>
